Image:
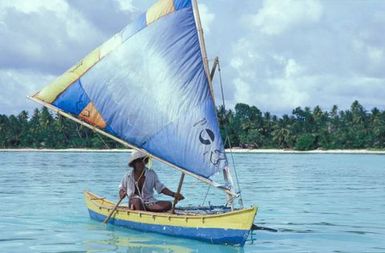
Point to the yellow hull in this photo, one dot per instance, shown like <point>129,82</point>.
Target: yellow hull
<point>231,227</point>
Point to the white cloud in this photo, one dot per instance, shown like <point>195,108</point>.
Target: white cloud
<point>276,86</point>
<point>48,36</point>
<point>370,57</point>
<point>41,39</point>
<point>375,54</point>
<point>33,6</point>
<point>276,17</point>
<point>319,55</point>
<point>288,53</point>
<point>18,84</point>
<point>243,93</point>
<point>278,81</point>
<point>127,5</point>
<point>292,68</point>
<point>207,17</point>
<point>289,92</point>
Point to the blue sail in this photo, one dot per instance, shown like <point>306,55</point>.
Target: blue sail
<point>148,87</point>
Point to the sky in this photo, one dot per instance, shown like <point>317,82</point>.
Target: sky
<point>274,54</point>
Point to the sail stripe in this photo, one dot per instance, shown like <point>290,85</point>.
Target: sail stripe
<point>110,45</point>
<point>56,92</point>
<point>164,7</point>
<point>73,99</point>
<point>159,10</point>
<point>54,89</point>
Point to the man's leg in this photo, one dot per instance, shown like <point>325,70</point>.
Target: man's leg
<point>159,206</point>
<point>136,204</point>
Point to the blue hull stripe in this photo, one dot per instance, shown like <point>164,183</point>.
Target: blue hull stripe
<point>213,235</point>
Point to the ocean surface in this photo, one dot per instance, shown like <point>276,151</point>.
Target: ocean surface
<point>318,202</point>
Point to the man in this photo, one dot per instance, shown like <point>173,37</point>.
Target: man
<point>139,185</point>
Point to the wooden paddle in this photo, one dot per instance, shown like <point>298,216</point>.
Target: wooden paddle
<point>256,227</point>
<point>113,210</point>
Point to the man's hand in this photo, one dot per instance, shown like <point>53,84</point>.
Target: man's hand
<point>178,196</point>
<point>122,193</point>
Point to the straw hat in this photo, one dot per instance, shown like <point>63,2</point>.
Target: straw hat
<point>136,155</point>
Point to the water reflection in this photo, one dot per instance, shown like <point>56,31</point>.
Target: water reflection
<point>117,239</point>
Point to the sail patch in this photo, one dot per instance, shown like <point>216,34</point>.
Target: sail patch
<point>91,115</point>
<point>73,99</point>
<point>159,10</point>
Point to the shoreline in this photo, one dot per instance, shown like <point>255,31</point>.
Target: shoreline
<point>234,150</point>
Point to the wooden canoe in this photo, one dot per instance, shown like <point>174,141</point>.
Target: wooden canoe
<point>230,227</point>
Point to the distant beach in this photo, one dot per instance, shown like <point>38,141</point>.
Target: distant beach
<point>317,151</point>
<point>234,150</point>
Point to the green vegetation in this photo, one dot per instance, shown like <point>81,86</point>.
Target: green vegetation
<point>305,129</point>
<point>246,126</point>
<point>43,130</point>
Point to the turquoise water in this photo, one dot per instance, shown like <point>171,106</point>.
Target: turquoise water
<point>319,203</point>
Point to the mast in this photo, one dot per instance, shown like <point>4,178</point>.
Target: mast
<point>202,46</point>
<point>69,116</point>
<point>226,172</point>
<point>214,67</point>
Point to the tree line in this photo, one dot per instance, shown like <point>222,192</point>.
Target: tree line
<point>46,130</point>
<point>245,126</point>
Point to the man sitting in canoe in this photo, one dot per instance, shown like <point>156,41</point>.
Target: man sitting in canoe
<point>139,185</point>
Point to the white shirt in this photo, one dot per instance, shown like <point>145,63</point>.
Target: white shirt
<point>151,182</point>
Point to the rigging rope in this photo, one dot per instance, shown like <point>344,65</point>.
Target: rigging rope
<point>207,193</point>
<point>79,127</point>
<point>228,138</point>
<point>101,138</point>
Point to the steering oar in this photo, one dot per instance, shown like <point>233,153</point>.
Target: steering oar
<point>114,209</point>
